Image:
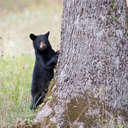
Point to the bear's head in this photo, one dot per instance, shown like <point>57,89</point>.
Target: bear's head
<point>40,42</point>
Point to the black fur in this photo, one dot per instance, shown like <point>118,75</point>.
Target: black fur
<point>46,60</point>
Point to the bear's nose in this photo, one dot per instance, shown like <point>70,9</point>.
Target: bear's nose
<point>42,45</point>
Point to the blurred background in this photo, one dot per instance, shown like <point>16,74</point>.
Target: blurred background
<point>19,18</point>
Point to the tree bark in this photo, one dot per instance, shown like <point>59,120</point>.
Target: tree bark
<point>91,85</point>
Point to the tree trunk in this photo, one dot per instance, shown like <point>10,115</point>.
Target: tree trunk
<point>91,89</point>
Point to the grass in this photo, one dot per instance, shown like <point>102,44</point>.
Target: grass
<point>121,126</point>
<point>15,81</point>
<point>18,20</point>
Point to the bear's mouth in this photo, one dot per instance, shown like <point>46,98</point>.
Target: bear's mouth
<point>43,46</point>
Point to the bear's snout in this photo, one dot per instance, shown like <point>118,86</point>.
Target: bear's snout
<point>43,45</point>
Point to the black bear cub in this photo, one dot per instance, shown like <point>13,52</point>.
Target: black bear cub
<point>46,60</point>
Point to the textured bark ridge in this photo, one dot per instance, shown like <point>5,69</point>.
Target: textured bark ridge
<point>92,76</point>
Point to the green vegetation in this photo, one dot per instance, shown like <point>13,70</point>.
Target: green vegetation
<point>121,126</point>
<point>15,81</point>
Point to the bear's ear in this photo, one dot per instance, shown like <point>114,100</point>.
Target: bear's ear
<point>32,36</point>
<point>47,34</point>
